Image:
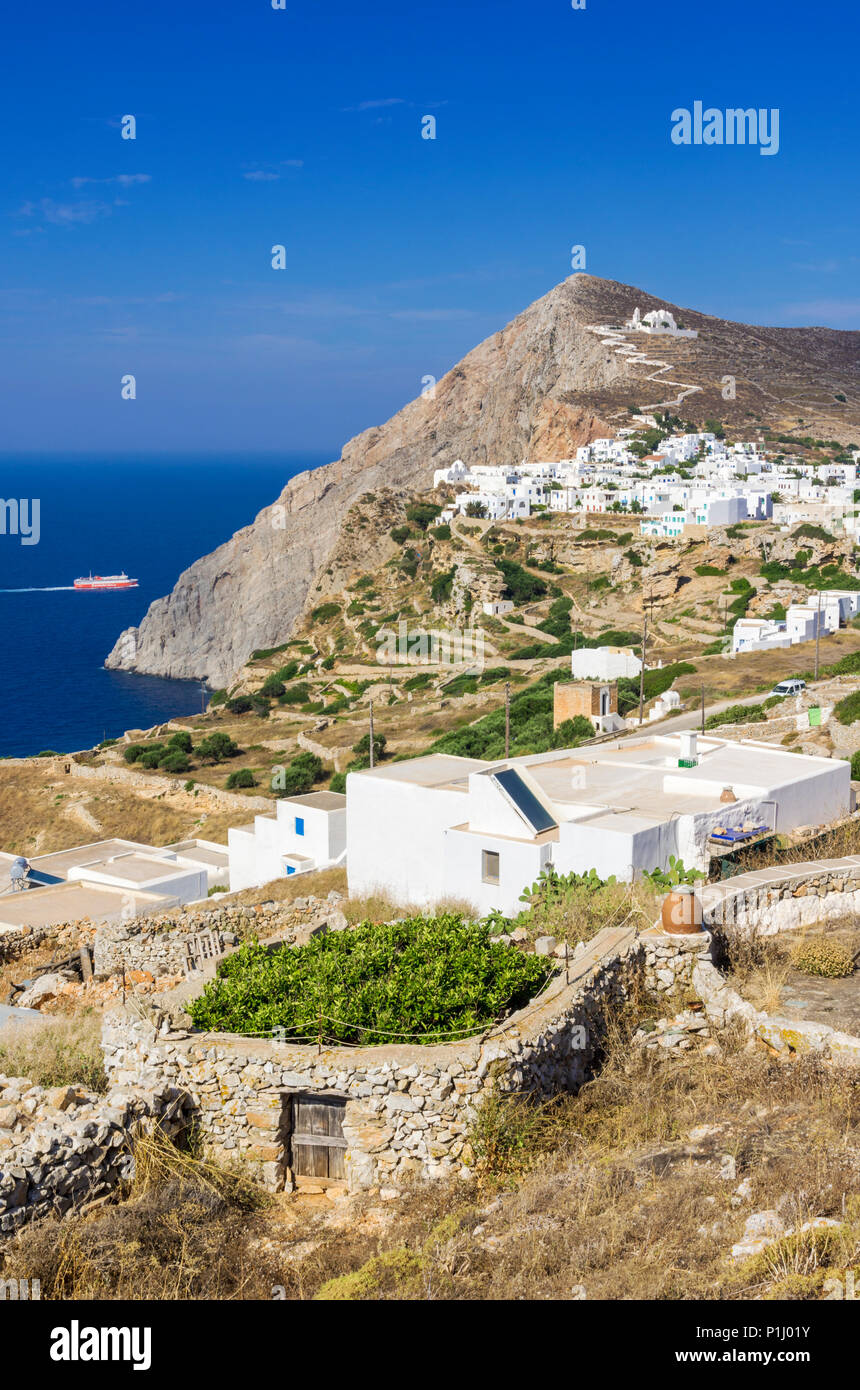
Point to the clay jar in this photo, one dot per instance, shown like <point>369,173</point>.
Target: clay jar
<point>681,912</point>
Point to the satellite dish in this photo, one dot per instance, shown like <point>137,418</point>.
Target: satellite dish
<point>19,872</point>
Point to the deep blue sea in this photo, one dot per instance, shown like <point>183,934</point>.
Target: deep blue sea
<point>149,517</point>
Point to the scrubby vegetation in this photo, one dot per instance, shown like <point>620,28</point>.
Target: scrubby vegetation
<point>822,956</point>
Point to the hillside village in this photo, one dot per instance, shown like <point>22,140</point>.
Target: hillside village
<point>546,734</point>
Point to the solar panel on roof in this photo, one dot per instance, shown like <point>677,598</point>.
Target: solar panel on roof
<point>524,800</point>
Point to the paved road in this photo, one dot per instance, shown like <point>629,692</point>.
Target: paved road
<point>692,719</point>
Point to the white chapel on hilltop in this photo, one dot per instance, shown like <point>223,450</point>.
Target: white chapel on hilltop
<point>658,321</point>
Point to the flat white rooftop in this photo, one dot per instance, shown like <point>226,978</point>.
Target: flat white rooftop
<point>70,902</point>
<point>637,778</point>
<point>319,801</point>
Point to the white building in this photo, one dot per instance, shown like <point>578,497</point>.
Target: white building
<point>183,872</point>
<point>303,833</point>
<point>604,663</point>
<point>444,827</point>
<point>658,321</point>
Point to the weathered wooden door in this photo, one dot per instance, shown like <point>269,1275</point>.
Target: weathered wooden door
<point>317,1142</point>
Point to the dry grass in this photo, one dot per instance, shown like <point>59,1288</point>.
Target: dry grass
<point>579,913</point>
<point>285,890</point>
<point>58,1052</point>
<point>42,811</point>
<point>188,1230</point>
<point>608,1192</point>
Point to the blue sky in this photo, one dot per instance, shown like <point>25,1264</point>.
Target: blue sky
<point>303,127</point>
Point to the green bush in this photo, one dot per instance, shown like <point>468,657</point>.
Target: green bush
<point>325,612</point>
<point>521,586</point>
<point>310,763</point>
<point>298,694</point>
<point>571,732</point>
<point>216,747</point>
<point>242,777</point>
<point>373,984</point>
<point>175,761</point>
<point>181,740</point>
<point>338,782</point>
<point>272,686</point>
<point>293,781</point>
<point>848,710</point>
<point>422,513</point>
<point>442,584</point>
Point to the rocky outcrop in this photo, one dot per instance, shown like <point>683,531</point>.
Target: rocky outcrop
<point>538,389</point>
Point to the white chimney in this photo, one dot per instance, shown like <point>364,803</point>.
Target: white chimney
<point>689,740</point>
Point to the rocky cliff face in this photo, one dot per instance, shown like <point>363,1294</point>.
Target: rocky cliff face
<point>538,389</point>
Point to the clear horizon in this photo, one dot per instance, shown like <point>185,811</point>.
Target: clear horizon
<point>152,257</point>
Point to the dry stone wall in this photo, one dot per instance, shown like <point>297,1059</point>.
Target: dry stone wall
<point>408,1109</point>
<point>65,1147</point>
<point>784,897</point>
<point>162,945</point>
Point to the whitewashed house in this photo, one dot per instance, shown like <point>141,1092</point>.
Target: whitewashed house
<point>303,833</point>
<point>439,827</point>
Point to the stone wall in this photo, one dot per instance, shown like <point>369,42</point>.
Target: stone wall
<point>408,1108</point>
<point>65,1147</point>
<point>160,944</point>
<point>785,897</point>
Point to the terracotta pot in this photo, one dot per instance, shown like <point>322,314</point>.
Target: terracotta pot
<point>682,912</point>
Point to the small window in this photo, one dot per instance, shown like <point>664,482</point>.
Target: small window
<point>290,869</point>
<point>489,866</point>
<point>300,825</point>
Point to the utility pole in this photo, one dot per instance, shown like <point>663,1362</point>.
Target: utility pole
<point>703,707</point>
<point>372,750</point>
<point>642,668</point>
<point>507,719</point>
<point>817,633</point>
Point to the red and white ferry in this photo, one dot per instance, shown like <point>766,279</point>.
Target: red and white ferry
<point>106,581</point>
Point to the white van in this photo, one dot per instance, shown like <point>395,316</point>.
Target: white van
<point>789,688</point>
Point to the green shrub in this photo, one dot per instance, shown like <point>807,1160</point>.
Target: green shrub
<point>821,956</point>
<point>311,763</point>
<point>521,586</point>
<point>242,777</point>
<point>442,584</point>
<point>216,747</point>
<point>272,686</point>
<point>217,697</point>
<point>443,532</point>
<point>370,985</point>
<point>298,694</point>
<point>422,513</point>
<point>704,571</point>
<point>292,781</point>
<point>325,612</point>
<point>175,761</point>
<point>181,740</point>
<point>848,710</point>
<point>399,534</point>
<point>338,782</point>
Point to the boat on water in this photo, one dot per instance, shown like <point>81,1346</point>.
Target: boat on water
<point>106,581</point>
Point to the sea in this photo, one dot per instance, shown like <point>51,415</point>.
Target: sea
<point>152,518</point>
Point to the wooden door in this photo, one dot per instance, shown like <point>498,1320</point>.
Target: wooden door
<point>317,1142</point>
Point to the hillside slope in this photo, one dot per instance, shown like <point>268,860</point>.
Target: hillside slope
<point>539,388</point>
